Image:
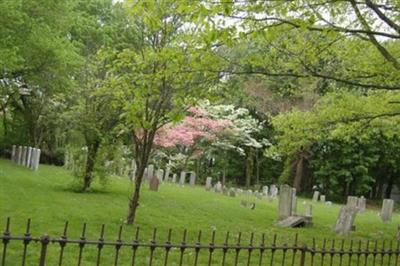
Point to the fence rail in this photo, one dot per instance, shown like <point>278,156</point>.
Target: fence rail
<point>329,252</point>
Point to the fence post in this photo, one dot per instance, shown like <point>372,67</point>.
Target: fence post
<point>44,240</point>
<point>303,255</point>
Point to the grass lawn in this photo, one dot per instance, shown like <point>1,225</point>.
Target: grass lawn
<point>46,198</point>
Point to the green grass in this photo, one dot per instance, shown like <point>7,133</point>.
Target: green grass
<point>45,197</point>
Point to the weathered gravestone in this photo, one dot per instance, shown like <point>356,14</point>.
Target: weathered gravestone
<point>192,180</point>
<point>294,201</point>
<point>232,192</point>
<point>24,155</point>
<point>208,185</point>
<point>19,159</point>
<point>362,204</point>
<point>345,220</point>
<point>273,192</point>
<point>322,198</point>
<point>154,183</point>
<point>218,187</point>
<point>387,210</point>
<point>308,210</point>
<point>29,157</point>
<point>13,153</point>
<point>258,195</point>
<point>285,202</point>
<point>167,172</point>
<point>265,190</point>
<point>150,172</point>
<point>352,201</point>
<point>225,191</point>
<point>182,178</point>
<point>160,174</point>
<point>174,177</point>
<point>315,196</point>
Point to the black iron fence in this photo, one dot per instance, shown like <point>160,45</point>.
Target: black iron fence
<point>47,250</point>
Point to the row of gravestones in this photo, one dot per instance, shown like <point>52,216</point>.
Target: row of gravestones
<point>156,177</point>
<point>355,205</point>
<point>344,223</point>
<point>26,156</point>
<point>250,196</point>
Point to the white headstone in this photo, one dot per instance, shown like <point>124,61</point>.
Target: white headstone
<point>174,176</point>
<point>308,210</point>
<point>352,201</point>
<point>160,175</point>
<point>182,178</point>
<point>387,210</point>
<point>29,157</point>
<point>13,153</point>
<point>294,201</point>
<point>218,187</point>
<point>192,180</point>
<point>345,220</point>
<point>265,190</point>
<point>362,203</point>
<point>24,155</point>
<point>208,183</point>
<point>285,202</point>
<point>167,172</point>
<point>315,196</point>
<point>322,198</point>
<point>37,159</point>
<point>19,159</point>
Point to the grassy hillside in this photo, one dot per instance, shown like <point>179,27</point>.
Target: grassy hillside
<point>45,196</point>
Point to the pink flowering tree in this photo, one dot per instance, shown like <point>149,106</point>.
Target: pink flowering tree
<point>190,135</point>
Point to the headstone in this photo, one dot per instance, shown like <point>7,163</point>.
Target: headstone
<point>308,210</point>
<point>345,220</point>
<point>37,159</point>
<point>174,177</point>
<point>294,201</point>
<point>265,190</point>
<point>239,191</point>
<point>273,192</point>
<point>362,204</point>
<point>232,192</point>
<point>19,155</point>
<point>182,178</point>
<point>387,210</point>
<point>160,174</point>
<point>208,183</point>
<point>258,195</point>
<point>322,198</point>
<point>150,171</point>
<point>24,155</point>
<point>225,191</point>
<point>13,153</point>
<point>192,180</point>
<point>352,201</point>
<point>167,172</point>
<point>33,158</point>
<point>154,183</point>
<point>285,202</point>
<point>218,187</point>
<point>315,196</point>
<point>29,157</point>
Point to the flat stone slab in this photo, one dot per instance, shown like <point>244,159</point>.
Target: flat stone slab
<point>295,221</point>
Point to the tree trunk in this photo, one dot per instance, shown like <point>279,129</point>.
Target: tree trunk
<point>249,167</point>
<point>142,150</point>
<point>388,190</point>
<point>257,168</point>
<point>299,173</point>
<point>90,162</point>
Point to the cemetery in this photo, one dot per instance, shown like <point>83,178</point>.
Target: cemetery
<point>226,132</point>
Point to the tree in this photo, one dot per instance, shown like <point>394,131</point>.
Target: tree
<point>159,78</point>
<point>338,141</point>
<point>350,43</point>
